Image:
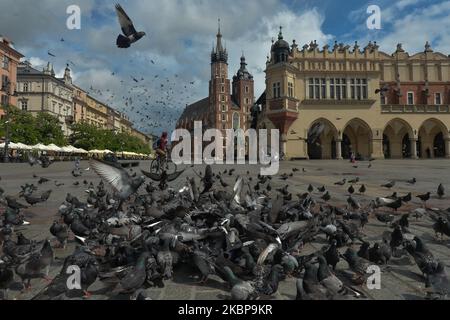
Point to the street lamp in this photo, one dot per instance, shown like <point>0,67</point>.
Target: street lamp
<point>7,88</point>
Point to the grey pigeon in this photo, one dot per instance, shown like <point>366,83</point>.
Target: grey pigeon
<point>119,179</point>
<point>130,35</point>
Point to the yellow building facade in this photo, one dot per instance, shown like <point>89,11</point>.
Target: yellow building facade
<point>359,100</point>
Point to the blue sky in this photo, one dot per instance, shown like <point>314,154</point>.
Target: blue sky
<point>180,35</point>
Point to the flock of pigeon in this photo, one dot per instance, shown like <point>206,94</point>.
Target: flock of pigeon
<point>134,236</point>
<point>152,99</point>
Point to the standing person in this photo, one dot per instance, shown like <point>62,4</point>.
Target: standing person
<point>77,163</point>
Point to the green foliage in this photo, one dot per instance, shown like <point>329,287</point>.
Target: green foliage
<point>24,128</point>
<point>50,130</point>
<point>90,137</point>
<point>46,129</point>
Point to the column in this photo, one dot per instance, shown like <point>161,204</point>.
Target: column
<point>283,139</point>
<point>414,149</point>
<point>447,148</point>
<point>339,150</point>
<point>377,149</point>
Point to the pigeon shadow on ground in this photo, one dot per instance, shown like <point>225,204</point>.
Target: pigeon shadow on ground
<point>401,261</point>
<point>409,274</point>
<point>409,297</point>
<point>188,275</point>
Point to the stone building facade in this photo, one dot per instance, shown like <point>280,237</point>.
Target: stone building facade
<point>40,91</point>
<point>364,101</point>
<point>9,60</point>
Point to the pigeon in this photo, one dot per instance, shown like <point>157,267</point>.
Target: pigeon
<point>130,35</point>
<point>362,189</point>
<point>412,181</point>
<point>118,178</point>
<point>240,290</point>
<point>437,283</point>
<point>407,198</point>
<point>358,265</point>
<point>341,183</point>
<point>441,191</point>
<point>136,277</point>
<point>6,278</point>
<point>59,231</point>
<point>332,254</point>
<point>389,185</point>
<point>441,227</point>
<point>13,204</point>
<point>326,197</point>
<point>36,266</point>
<point>351,189</point>
<point>425,197</point>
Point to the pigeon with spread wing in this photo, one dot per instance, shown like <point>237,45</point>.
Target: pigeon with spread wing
<point>130,35</point>
<point>118,178</point>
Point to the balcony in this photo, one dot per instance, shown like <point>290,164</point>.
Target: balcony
<point>69,119</point>
<point>284,103</point>
<point>335,102</point>
<point>416,109</point>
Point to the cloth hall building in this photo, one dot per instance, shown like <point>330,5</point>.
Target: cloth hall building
<point>374,104</point>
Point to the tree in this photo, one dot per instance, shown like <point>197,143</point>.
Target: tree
<point>90,137</point>
<point>50,130</point>
<point>22,126</point>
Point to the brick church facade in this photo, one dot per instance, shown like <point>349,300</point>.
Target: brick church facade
<point>229,103</point>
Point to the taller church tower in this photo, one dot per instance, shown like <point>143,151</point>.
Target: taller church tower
<point>219,85</point>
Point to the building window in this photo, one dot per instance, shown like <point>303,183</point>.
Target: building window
<point>277,90</point>
<point>224,117</point>
<point>24,105</point>
<point>223,80</point>
<point>247,89</point>
<point>410,98</point>
<point>247,100</point>
<point>25,87</point>
<point>359,90</point>
<point>5,81</point>
<point>338,88</point>
<point>317,88</point>
<point>438,99</point>
<point>224,108</point>
<point>223,89</point>
<point>5,63</point>
<point>4,100</point>
<point>291,90</point>
<point>236,121</point>
<point>383,100</point>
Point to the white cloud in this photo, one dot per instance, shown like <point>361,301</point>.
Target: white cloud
<point>179,38</point>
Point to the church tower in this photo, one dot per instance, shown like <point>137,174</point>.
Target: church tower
<point>219,86</point>
<point>243,93</point>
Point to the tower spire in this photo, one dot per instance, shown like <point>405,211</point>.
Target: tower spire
<point>220,54</point>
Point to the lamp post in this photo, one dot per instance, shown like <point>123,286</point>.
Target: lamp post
<point>7,88</point>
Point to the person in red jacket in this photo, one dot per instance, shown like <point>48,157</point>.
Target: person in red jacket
<point>162,144</point>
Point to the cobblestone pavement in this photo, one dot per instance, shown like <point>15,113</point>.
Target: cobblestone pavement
<point>401,281</point>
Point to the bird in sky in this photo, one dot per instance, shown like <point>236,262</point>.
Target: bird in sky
<point>130,35</point>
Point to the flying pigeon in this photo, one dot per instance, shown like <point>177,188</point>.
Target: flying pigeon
<point>118,178</point>
<point>130,34</point>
